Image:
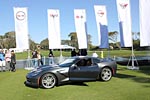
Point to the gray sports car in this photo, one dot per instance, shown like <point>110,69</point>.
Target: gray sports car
<point>73,69</point>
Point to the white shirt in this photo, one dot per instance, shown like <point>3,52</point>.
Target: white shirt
<point>95,54</point>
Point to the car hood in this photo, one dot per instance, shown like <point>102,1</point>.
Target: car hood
<point>50,67</point>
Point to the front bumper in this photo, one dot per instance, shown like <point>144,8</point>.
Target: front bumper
<point>32,81</point>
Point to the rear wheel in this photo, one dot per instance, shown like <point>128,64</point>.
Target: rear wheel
<point>106,74</point>
<point>48,81</point>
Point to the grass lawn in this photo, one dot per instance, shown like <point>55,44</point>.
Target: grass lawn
<point>126,85</point>
<point>111,53</point>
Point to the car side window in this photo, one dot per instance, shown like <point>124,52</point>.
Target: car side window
<point>95,61</point>
<point>81,62</point>
<point>84,62</point>
<point>88,62</point>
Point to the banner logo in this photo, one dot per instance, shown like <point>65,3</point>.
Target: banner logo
<point>20,15</point>
<point>53,15</point>
<point>100,13</point>
<point>123,5</point>
<point>79,16</point>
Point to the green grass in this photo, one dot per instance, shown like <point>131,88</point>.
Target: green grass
<point>126,85</point>
<point>111,53</point>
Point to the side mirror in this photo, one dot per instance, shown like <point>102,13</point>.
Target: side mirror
<point>74,66</point>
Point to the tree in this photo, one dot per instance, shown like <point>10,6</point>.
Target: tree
<point>1,42</point>
<point>73,39</point>
<point>65,42</point>
<point>8,40</point>
<point>89,37</point>
<point>113,37</point>
<point>44,44</point>
<point>136,35</point>
<point>33,45</point>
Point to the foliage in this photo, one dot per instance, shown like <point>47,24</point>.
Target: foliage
<point>74,40</point>
<point>44,44</point>
<point>136,45</point>
<point>8,40</point>
<point>66,42</point>
<point>33,45</point>
<point>89,37</point>
<point>113,36</point>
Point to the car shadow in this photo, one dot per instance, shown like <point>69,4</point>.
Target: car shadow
<point>142,79</point>
<point>118,75</point>
<point>71,83</point>
<point>34,87</point>
<point>74,83</point>
<point>134,78</point>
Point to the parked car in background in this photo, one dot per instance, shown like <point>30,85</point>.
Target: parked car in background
<point>73,69</point>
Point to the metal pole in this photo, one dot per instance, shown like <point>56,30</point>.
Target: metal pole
<point>60,52</point>
<point>132,56</point>
<point>28,53</point>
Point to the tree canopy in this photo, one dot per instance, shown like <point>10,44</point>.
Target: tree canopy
<point>8,40</point>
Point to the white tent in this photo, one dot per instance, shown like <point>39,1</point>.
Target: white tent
<point>66,47</point>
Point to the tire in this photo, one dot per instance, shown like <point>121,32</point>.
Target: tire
<point>106,74</point>
<point>48,81</point>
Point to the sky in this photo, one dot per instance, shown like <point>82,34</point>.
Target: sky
<point>38,21</point>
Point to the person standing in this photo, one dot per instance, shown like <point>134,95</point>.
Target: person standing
<point>39,56</point>
<point>83,52</point>
<point>34,58</point>
<point>2,61</point>
<point>51,60</point>
<point>13,61</point>
<point>7,59</point>
<point>73,53</point>
<point>95,54</point>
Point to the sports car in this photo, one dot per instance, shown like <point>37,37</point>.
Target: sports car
<point>73,69</point>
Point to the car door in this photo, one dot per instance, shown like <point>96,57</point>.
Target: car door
<point>82,71</point>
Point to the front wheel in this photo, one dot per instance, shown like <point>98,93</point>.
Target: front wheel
<point>106,74</point>
<point>48,81</point>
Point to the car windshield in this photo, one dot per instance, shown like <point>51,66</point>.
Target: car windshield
<point>67,63</point>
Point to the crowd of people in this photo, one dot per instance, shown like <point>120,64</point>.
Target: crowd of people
<point>7,60</point>
<point>81,52</point>
<point>37,58</point>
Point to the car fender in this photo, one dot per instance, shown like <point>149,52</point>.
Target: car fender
<point>106,64</point>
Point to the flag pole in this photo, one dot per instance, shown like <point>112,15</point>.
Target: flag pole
<point>28,47</point>
<point>28,59</point>
<point>28,64</point>
<point>132,59</point>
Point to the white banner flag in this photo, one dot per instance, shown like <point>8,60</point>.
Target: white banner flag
<point>124,16</point>
<point>144,6</point>
<point>54,29</point>
<point>80,24</point>
<point>21,28</point>
<point>101,20</point>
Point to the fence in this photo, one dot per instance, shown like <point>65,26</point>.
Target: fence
<point>32,63</point>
